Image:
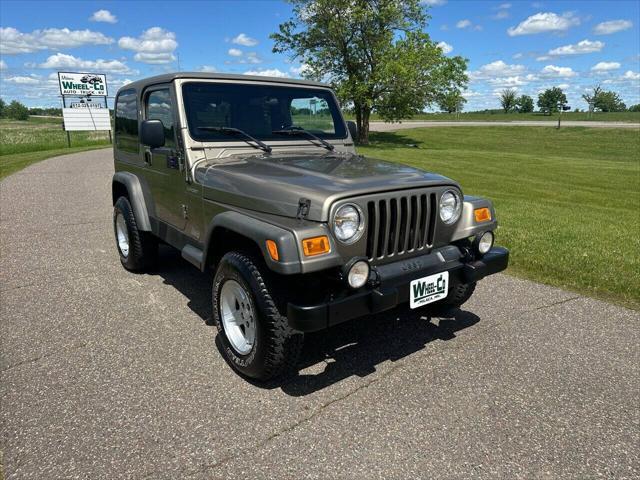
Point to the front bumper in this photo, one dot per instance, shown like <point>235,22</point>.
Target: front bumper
<point>393,289</point>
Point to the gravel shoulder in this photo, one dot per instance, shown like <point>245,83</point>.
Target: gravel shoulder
<point>391,127</point>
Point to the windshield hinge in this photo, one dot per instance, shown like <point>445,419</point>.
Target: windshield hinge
<point>304,204</point>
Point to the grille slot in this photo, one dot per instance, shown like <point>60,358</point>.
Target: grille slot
<point>400,224</point>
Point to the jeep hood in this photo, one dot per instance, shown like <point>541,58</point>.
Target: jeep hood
<point>275,183</point>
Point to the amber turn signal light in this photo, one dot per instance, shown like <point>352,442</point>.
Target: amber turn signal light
<point>316,246</point>
<point>273,250</point>
<point>482,214</point>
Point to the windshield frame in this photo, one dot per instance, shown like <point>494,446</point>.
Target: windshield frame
<point>340,127</point>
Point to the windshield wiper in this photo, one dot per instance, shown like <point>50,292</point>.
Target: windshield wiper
<point>236,131</point>
<point>294,130</point>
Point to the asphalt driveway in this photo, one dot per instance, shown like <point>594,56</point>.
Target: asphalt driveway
<point>107,374</point>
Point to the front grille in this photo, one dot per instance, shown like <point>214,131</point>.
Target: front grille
<point>401,224</point>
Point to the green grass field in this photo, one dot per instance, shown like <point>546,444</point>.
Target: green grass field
<point>633,117</point>
<point>568,201</point>
<point>25,142</point>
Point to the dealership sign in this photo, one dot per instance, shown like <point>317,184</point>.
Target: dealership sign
<point>84,102</point>
<point>82,84</point>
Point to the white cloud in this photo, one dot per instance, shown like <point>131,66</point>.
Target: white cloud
<point>517,56</point>
<point>544,22</point>
<point>605,66</point>
<point>445,47</point>
<point>3,65</point>
<point>61,60</point>
<point>612,26</point>
<point>584,46</point>
<point>298,71</point>
<point>497,69</point>
<point>23,80</point>
<point>156,45</point>
<point>508,81</point>
<point>463,23</point>
<point>154,58</point>
<point>554,71</point>
<point>629,75</point>
<point>504,6</point>
<point>433,3</point>
<point>501,15</point>
<point>272,72</point>
<point>103,16</point>
<point>244,40</point>
<point>241,57</point>
<point>207,68</point>
<point>13,41</point>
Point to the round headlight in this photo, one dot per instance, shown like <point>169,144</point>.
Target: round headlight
<point>358,274</point>
<point>348,223</point>
<point>450,206</point>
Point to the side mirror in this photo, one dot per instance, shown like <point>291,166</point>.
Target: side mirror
<point>353,130</point>
<point>152,133</point>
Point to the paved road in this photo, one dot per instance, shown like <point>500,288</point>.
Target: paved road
<point>389,127</point>
<point>106,374</point>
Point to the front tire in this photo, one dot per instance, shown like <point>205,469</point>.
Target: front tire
<point>138,250</point>
<point>255,336</point>
<point>458,295</point>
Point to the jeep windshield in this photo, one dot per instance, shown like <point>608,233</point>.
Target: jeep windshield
<point>261,111</point>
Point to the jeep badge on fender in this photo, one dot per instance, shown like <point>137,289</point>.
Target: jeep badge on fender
<point>256,180</point>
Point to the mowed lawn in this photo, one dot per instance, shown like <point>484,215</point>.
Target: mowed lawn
<point>568,201</point>
<point>25,142</point>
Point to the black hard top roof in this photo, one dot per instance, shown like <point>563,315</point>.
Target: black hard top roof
<point>168,77</point>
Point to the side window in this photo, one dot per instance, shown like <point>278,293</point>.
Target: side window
<point>126,122</point>
<point>312,114</point>
<point>159,107</point>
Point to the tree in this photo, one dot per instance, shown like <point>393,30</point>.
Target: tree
<point>549,99</point>
<point>3,106</point>
<point>508,99</point>
<point>591,97</point>
<point>609,102</point>
<point>525,104</point>
<point>374,53</point>
<point>17,111</point>
<point>635,108</point>
<point>452,101</point>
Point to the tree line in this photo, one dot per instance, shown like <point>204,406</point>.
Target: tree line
<point>16,110</point>
<point>552,99</point>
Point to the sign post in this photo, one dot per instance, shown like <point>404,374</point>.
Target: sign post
<point>80,111</point>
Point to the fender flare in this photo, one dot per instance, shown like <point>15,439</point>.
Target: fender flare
<point>137,198</point>
<point>259,232</point>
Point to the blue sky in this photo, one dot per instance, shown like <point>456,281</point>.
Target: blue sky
<point>527,45</point>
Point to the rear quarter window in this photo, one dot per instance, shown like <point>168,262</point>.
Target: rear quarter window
<point>126,121</point>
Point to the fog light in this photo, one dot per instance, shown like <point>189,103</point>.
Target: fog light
<point>484,242</point>
<point>358,274</point>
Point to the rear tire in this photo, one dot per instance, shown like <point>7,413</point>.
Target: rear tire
<point>138,250</point>
<point>261,347</point>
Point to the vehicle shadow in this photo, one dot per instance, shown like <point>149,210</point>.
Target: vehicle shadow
<point>358,347</point>
<point>354,348</point>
